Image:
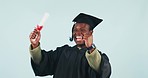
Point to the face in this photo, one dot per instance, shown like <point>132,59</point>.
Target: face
<point>81,31</point>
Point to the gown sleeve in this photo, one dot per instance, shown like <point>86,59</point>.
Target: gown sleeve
<point>104,70</point>
<point>49,60</point>
<point>93,59</point>
<point>105,67</point>
<point>35,54</point>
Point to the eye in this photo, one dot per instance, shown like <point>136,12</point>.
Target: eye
<point>74,30</point>
<point>83,30</point>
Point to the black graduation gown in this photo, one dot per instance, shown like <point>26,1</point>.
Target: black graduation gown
<point>69,62</point>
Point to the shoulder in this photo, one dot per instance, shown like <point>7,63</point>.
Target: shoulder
<point>103,55</point>
<point>105,66</point>
<point>66,46</point>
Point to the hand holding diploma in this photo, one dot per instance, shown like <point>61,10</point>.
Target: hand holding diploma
<point>35,35</point>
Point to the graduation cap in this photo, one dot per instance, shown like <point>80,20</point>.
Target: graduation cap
<point>88,19</point>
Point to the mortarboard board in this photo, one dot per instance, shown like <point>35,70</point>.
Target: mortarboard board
<point>88,19</point>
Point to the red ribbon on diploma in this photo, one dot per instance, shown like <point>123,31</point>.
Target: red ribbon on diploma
<point>39,27</point>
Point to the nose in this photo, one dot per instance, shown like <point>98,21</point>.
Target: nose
<point>78,33</point>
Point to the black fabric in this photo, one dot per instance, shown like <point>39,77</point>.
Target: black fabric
<point>70,62</point>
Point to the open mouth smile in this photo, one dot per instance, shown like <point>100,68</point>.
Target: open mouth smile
<point>79,38</point>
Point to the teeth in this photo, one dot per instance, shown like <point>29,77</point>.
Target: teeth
<point>80,37</point>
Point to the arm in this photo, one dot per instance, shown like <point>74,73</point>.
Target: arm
<point>35,54</point>
<point>97,61</point>
<point>92,55</point>
<point>35,49</point>
<point>94,59</point>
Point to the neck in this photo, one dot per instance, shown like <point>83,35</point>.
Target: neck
<point>81,46</point>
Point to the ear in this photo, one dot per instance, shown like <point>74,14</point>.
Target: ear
<point>91,32</point>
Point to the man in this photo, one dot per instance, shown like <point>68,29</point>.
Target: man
<point>83,60</point>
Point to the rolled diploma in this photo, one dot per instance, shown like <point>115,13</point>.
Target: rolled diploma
<point>40,26</point>
<point>43,19</point>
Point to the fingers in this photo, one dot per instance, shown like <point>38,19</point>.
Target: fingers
<point>34,34</point>
<point>35,37</point>
<point>86,36</point>
<point>88,39</point>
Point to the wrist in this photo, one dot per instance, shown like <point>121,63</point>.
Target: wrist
<point>33,46</point>
<point>91,48</point>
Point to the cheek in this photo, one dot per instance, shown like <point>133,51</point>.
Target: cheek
<point>73,33</point>
<point>86,33</point>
